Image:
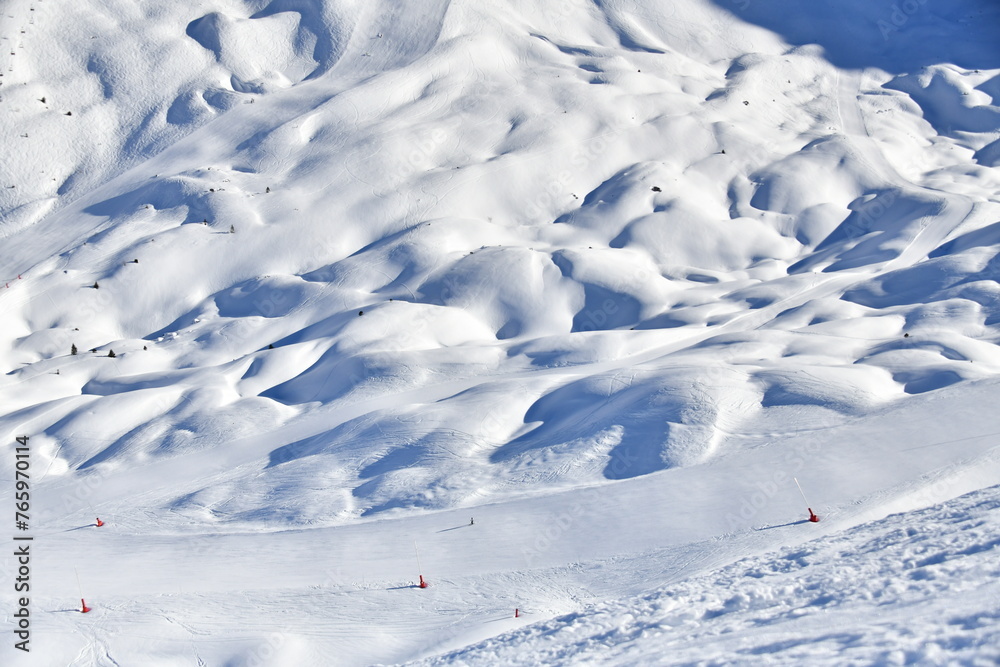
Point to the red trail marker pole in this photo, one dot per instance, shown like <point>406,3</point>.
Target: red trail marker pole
<point>83,604</point>
<point>812,515</point>
<point>99,522</point>
<point>517,613</point>
<point>423,584</point>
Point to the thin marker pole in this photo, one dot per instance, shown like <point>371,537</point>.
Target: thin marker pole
<point>812,515</point>
<point>423,584</point>
<point>799,486</point>
<point>83,603</point>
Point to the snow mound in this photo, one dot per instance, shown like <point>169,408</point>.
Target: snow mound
<point>314,266</point>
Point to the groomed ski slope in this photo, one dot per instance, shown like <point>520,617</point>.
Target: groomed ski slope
<point>604,276</point>
<point>913,588</point>
<point>351,591</point>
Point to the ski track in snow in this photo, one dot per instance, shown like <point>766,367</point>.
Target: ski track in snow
<point>801,604</point>
<point>604,276</point>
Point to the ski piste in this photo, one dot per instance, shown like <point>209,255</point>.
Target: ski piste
<point>290,294</point>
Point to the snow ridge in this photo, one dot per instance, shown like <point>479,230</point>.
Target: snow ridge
<point>321,279</point>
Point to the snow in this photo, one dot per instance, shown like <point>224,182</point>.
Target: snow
<point>931,574</point>
<point>604,276</point>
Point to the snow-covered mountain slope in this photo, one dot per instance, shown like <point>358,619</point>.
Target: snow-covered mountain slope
<point>370,267</point>
<point>915,588</point>
<point>280,596</point>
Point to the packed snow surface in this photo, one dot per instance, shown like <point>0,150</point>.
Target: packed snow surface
<point>293,291</point>
<point>931,574</point>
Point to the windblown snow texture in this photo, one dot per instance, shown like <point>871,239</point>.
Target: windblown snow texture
<point>604,275</point>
